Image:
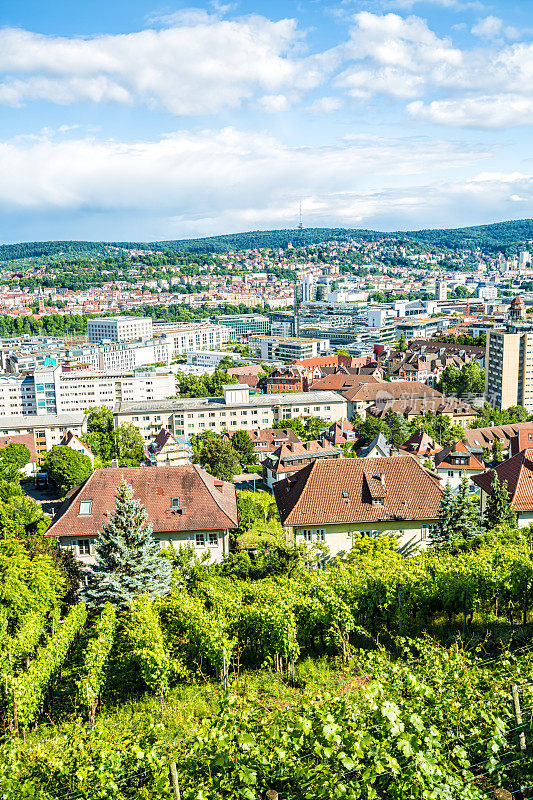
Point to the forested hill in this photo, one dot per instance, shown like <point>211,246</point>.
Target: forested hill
<point>499,235</point>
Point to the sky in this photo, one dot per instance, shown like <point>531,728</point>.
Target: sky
<point>142,122</point>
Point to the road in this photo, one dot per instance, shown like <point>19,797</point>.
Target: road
<point>47,498</point>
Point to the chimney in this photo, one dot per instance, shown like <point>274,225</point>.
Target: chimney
<point>382,479</point>
<point>218,484</point>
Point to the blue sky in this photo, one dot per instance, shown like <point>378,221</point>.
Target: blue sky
<point>141,121</point>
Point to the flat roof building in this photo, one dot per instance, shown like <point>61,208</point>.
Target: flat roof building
<point>119,329</point>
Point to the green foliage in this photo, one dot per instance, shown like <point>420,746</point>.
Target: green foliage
<point>498,509</point>
<point>438,426</point>
<point>402,343</point>
<point>244,447</point>
<point>99,420</point>
<point>28,688</point>
<point>66,467</point>
<point>307,429</point>
<point>27,583</point>
<point>489,416</point>
<point>470,379</point>
<point>14,455</point>
<point>398,428</point>
<point>93,673</point>
<point>144,642</point>
<point>215,454</point>
<point>129,445</point>
<point>206,386</point>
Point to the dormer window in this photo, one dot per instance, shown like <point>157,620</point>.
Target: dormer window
<point>378,501</point>
<point>175,502</point>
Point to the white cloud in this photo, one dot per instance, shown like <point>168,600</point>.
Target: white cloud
<point>484,111</point>
<point>488,28</point>
<point>200,65</point>
<point>273,103</point>
<point>395,56</point>
<point>226,174</point>
<point>325,105</point>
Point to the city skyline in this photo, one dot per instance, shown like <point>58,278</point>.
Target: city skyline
<point>136,122</point>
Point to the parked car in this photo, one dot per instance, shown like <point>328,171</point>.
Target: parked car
<point>41,480</point>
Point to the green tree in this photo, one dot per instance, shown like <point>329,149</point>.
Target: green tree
<point>498,509</point>
<point>15,456</point>
<point>128,559</point>
<point>99,420</point>
<point>444,529</point>
<point>295,424</point>
<point>313,426</point>
<point>66,467</point>
<point>398,428</point>
<point>401,345</point>
<point>129,445</point>
<point>216,455</point>
<point>244,447</point>
<point>497,451</point>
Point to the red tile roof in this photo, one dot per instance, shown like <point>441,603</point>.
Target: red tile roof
<point>517,472</point>
<point>205,502</point>
<point>382,391</point>
<point>340,381</point>
<point>316,494</point>
<point>286,457</point>
<point>484,437</point>
<point>442,462</point>
<point>421,444</point>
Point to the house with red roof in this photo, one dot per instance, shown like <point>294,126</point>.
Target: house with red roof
<point>289,458</point>
<point>185,506</point>
<point>334,500</point>
<point>421,445</point>
<point>456,462</point>
<point>517,474</point>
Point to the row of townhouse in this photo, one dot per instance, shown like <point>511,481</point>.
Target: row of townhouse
<point>236,409</point>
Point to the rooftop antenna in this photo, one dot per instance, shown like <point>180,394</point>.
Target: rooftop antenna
<point>300,224</point>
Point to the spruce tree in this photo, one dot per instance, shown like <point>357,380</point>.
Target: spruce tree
<point>498,510</point>
<point>444,529</point>
<point>128,560</point>
<point>465,514</point>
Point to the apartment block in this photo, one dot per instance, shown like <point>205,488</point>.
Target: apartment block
<point>55,390</point>
<point>198,336</point>
<point>287,348</point>
<point>119,329</point>
<point>236,409</point>
<point>47,429</point>
<point>509,361</point>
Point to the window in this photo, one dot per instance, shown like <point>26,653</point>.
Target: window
<point>308,535</point>
<point>84,547</point>
<point>175,502</point>
<point>450,473</point>
<point>86,507</point>
<point>213,539</point>
<point>200,540</point>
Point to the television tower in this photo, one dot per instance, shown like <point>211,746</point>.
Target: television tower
<point>300,224</point>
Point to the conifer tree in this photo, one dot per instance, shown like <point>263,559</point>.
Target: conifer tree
<point>465,514</point>
<point>498,510</point>
<point>128,560</point>
<point>444,529</point>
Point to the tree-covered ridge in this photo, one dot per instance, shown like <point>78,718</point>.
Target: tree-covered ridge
<point>489,237</point>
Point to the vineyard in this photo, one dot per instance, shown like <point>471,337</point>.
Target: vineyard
<point>381,677</point>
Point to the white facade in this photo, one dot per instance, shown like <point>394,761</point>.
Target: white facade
<point>53,391</point>
<point>207,358</point>
<point>237,409</point>
<point>119,329</point>
<point>287,348</point>
<point>183,338</point>
<point>125,356</point>
<point>48,430</point>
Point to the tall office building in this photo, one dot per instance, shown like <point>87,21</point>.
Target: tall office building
<point>509,361</point>
<point>441,290</point>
